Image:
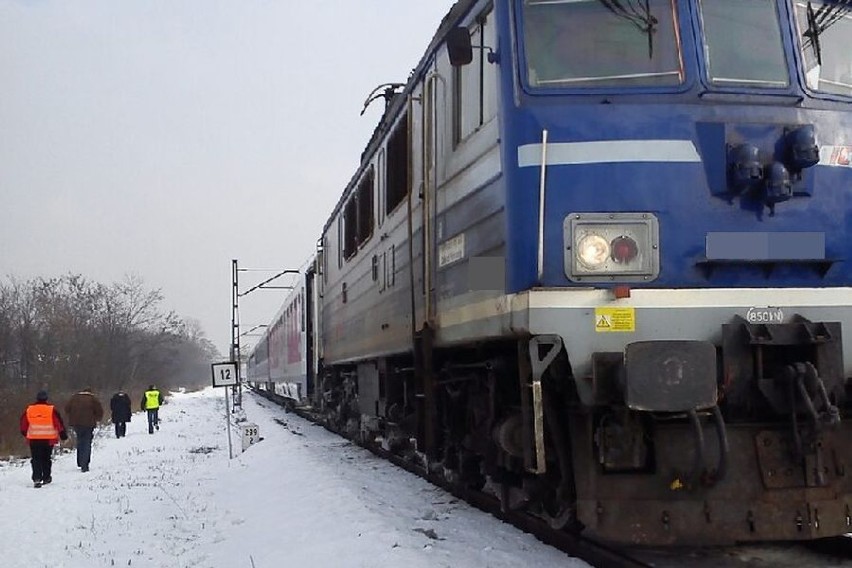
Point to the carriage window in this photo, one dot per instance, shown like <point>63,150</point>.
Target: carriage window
<point>742,43</point>
<point>824,31</point>
<point>600,43</point>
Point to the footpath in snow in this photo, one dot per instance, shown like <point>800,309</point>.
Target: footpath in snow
<point>300,497</point>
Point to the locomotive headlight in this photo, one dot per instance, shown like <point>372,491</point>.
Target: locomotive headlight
<point>593,251</point>
<point>611,247</point>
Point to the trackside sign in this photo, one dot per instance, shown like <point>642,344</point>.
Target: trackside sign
<point>224,374</point>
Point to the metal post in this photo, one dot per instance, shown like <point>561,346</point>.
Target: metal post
<point>235,331</point>
<point>228,425</point>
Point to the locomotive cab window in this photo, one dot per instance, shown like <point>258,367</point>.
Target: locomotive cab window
<point>474,84</point>
<point>742,43</point>
<point>596,43</point>
<point>824,31</point>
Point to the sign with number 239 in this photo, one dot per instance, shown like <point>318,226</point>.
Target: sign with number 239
<point>224,374</point>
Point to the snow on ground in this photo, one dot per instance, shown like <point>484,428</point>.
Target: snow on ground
<point>299,497</point>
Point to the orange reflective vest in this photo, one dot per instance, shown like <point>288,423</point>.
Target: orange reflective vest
<point>40,420</point>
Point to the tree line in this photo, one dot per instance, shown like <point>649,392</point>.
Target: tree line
<point>66,333</point>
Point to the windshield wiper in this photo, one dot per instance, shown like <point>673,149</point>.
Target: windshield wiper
<point>639,15</point>
<point>826,16</point>
<point>813,33</point>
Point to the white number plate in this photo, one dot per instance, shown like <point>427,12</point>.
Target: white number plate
<point>765,315</point>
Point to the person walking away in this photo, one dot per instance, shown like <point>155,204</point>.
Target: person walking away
<point>151,401</point>
<point>84,411</point>
<point>119,406</point>
<point>42,426</point>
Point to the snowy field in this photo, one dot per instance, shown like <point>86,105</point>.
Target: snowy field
<point>299,497</point>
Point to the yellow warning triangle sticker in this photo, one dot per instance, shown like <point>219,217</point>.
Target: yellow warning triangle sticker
<point>603,322</point>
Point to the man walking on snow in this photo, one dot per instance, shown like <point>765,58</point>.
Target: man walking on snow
<point>119,406</point>
<point>84,411</point>
<point>151,401</point>
<point>42,425</point>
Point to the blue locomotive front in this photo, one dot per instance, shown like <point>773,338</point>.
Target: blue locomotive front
<point>595,262</point>
<point>679,208</point>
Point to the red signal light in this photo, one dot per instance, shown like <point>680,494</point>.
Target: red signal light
<point>624,249</point>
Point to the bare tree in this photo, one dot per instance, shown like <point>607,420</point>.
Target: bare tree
<point>68,332</point>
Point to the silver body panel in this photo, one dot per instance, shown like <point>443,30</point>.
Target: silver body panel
<point>659,315</point>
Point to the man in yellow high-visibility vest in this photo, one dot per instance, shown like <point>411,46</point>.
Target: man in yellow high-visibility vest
<point>151,401</point>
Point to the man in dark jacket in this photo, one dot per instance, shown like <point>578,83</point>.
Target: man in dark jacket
<point>119,406</point>
<point>84,411</point>
<point>151,401</point>
<point>42,425</point>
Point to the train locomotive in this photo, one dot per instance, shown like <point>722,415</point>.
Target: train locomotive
<point>594,262</point>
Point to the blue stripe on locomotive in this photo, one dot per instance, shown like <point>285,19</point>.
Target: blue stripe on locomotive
<point>689,198</point>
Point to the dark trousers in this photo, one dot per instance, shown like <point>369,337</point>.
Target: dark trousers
<point>120,429</point>
<point>153,420</point>
<point>41,450</point>
<point>84,445</point>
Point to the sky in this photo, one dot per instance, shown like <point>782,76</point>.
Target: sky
<point>300,496</point>
<point>165,138</point>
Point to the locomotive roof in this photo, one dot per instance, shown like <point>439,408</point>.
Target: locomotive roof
<point>395,106</point>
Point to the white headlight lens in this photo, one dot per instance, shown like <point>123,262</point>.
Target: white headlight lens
<point>593,251</point>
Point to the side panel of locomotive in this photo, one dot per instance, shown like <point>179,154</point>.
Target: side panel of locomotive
<point>365,279</point>
<point>420,225</point>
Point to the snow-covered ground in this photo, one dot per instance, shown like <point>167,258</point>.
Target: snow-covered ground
<point>299,497</point>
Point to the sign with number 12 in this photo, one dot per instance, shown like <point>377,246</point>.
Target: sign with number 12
<point>224,374</point>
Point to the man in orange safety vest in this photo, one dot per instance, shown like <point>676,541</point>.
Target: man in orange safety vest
<point>43,427</point>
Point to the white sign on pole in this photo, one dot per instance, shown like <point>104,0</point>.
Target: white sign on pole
<point>224,374</point>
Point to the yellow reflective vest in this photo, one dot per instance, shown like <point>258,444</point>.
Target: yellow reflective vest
<point>152,399</point>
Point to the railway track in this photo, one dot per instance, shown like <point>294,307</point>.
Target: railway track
<point>828,552</point>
